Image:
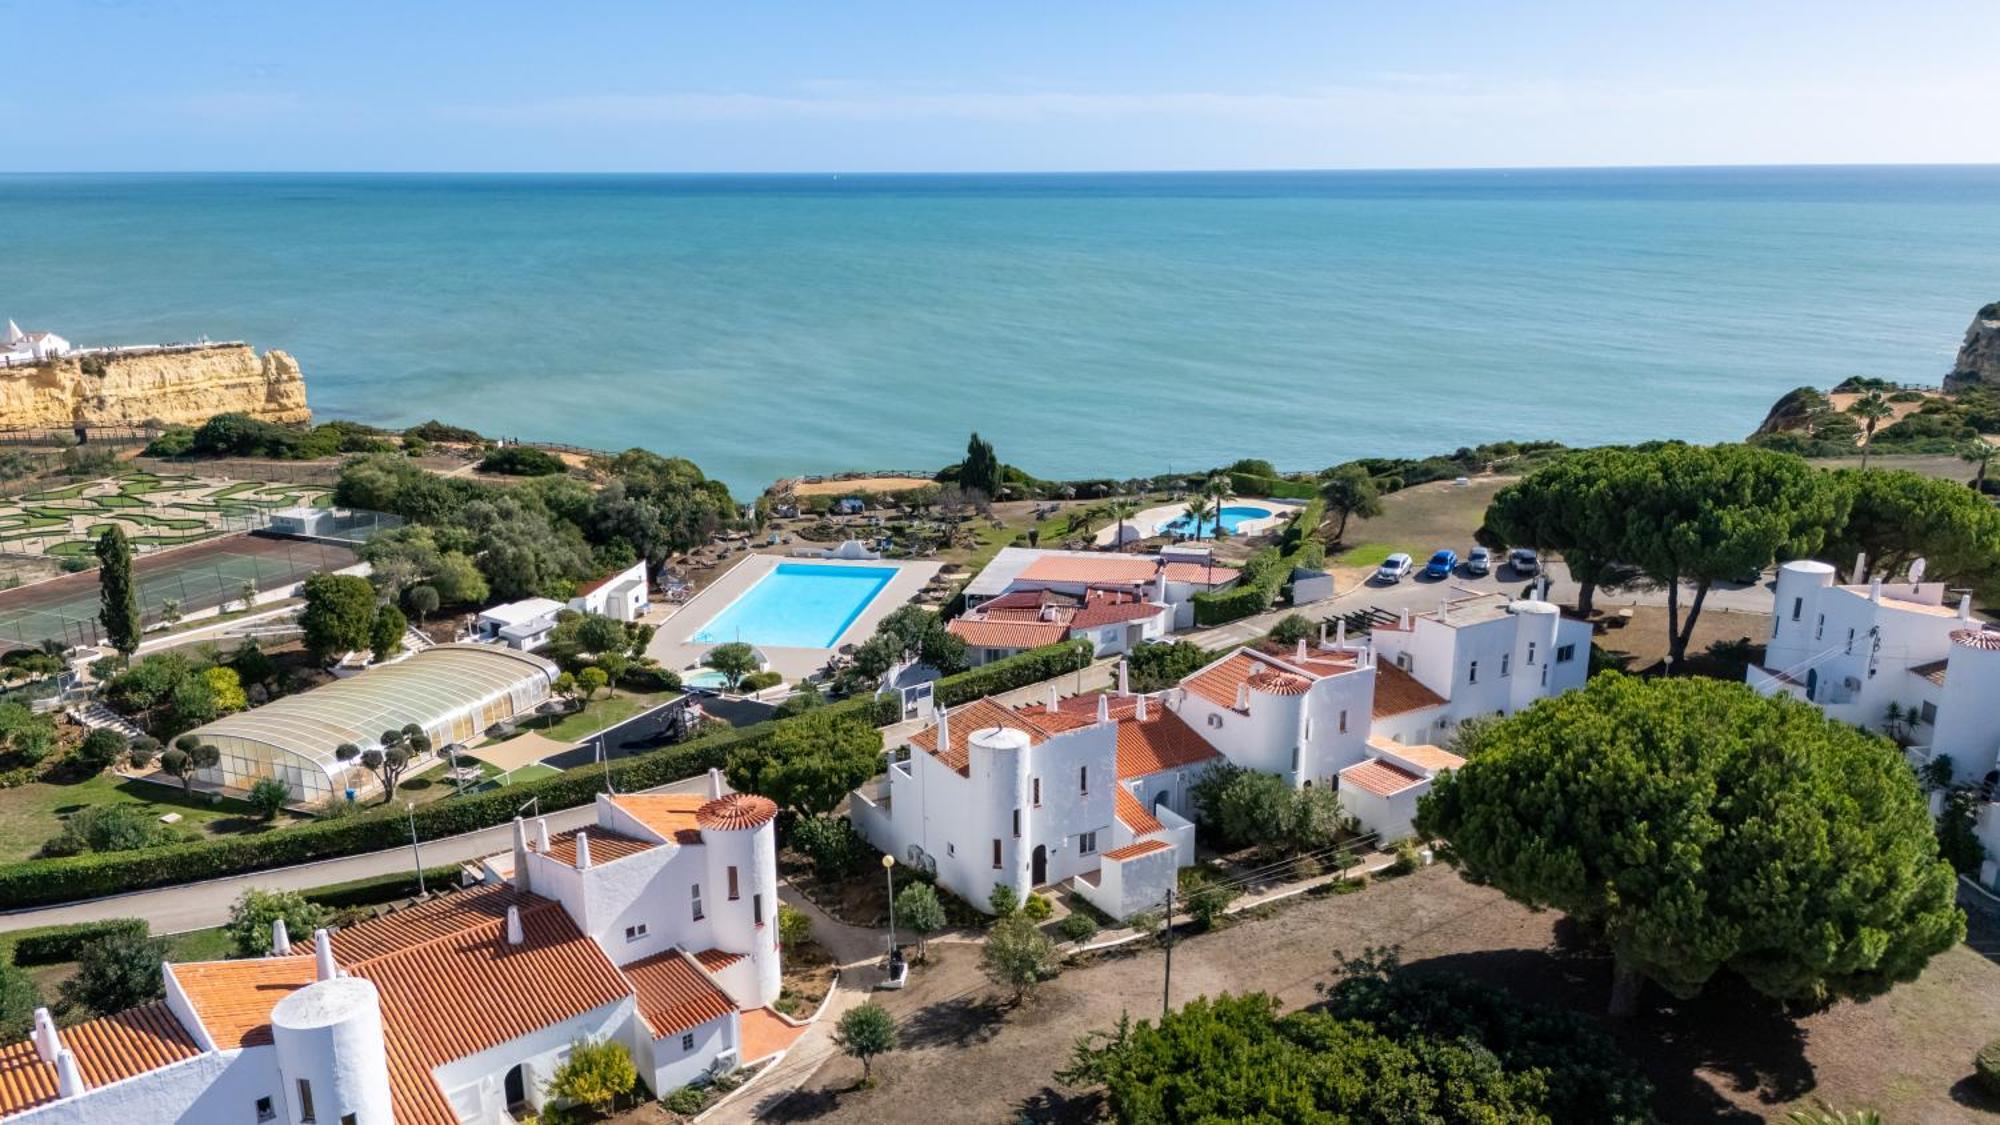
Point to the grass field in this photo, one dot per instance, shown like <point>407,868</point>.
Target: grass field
<point>1420,520</point>
<point>31,814</point>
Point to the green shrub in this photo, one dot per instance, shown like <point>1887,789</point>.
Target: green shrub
<point>1406,860</point>
<point>53,945</point>
<point>522,461</point>
<point>758,681</point>
<point>795,927</point>
<point>1004,900</point>
<point>686,1101</point>
<point>1986,1065</point>
<point>1077,927</point>
<point>1038,907</point>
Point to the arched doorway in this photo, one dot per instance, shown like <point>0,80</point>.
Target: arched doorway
<point>1038,867</point>
<point>517,1086</point>
<point>1812,683</point>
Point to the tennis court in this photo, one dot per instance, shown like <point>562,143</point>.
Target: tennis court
<point>199,577</point>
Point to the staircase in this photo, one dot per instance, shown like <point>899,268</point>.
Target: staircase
<point>416,642</point>
<point>96,716</point>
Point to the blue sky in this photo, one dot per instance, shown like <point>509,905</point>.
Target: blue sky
<point>945,85</point>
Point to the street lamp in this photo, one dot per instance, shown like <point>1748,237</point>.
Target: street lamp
<point>889,877</point>
<point>410,807</point>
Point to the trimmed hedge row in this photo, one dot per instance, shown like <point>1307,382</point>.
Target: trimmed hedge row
<point>53,945</point>
<point>44,881</point>
<point>1267,571</point>
<point>1247,484</point>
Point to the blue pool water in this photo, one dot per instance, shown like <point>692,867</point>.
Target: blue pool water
<point>798,605</point>
<point>1233,516</point>
<point>709,679</point>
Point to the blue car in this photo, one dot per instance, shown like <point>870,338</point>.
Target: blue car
<point>1441,564</point>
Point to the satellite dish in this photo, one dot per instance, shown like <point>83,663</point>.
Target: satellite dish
<point>1916,572</point>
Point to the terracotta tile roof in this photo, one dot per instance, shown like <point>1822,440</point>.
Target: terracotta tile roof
<point>1317,663</point>
<point>456,995</point>
<point>443,916</point>
<point>108,1049</point>
<point>716,960</point>
<point>736,812</point>
<point>1134,815</point>
<point>1381,778</point>
<point>1421,754</point>
<point>1007,634</point>
<point>1201,574</point>
<point>980,714</point>
<point>1081,711</point>
<point>233,999</point>
<point>1098,614</point>
<point>675,994</point>
<point>1985,639</point>
<point>1270,681</point>
<point>1134,851</point>
<point>1029,600</point>
<point>1934,671</point>
<point>1218,682</point>
<point>605,845</point>
<point>1163,741</point>
<point>1114,570</point>
<point>765,1033</point>
<point>1398,693</point>
<point>669,814</point>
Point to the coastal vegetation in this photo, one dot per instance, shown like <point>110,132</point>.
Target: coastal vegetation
<point>1873,417</point>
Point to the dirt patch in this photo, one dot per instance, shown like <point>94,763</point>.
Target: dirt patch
<point>1729,1056</point>
<point>860,484</point>
<point>1723,641</point>
<point>809,975</point>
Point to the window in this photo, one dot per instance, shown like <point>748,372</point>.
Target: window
<point>1545,675</point>
<point>1343,721</point>
<point>306,1101</point>
<point>1565,653</point>
<point>1850,642</point>
<point>687,1041</point>
<point>1531,654</point>
<point>1472,672</point>
<point>1036,784</point>
<point>694,892</point>
<point>1819,627</point>
<point>1017,824</point>
<point>757,909</point>
<point>1404,662</point>
<point>1505,659</point>
<point>634,933</point>
<point>264,1110</point>
<point>1927,713</point>
<point>1215,721</point>
<point>733,896</point>
<point>1798,607</point>
<point>996,855</point>
<point>1086,842</point>
<point>1083,779</point>
<point>347,1119</point>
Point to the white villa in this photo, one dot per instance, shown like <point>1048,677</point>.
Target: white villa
<point>524,625</point>
<point>656,928</point>
<point>31,347</point>
<point>621,596</point>
<point>1095,789</point>
<point>1170,578</point>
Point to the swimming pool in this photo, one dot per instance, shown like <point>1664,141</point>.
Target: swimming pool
<point>797,605</point>
<point>1233,517</point>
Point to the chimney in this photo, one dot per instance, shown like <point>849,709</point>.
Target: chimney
<point>1160,586</point>
<point>323,966</point>
<point>1103,708</point>
<point>281,939</point>
<point>1055,698</point>
<point>1124,679</point>
<point>542,834</point>
<point>1965,607</point>
<point>1860,567</point>
<point>1322,634</point>
<point>944,730</point>
<point>48,1043</point>
<point>515,936</point>
<point>582,850</point>
<point>1242,697</point>
<point>714,783</point>
<point>1340,633</point>
<point>1139,712</point>
<point>1875,591</point>
<point>69,1080</point>
<point>1404,622</point>
<point>1300,653</point>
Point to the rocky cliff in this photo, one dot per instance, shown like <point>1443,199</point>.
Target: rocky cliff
<point>1979,357</point>
<point>183,385</point>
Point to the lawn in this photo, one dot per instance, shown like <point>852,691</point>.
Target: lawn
<point>605,711</point>
<point>1419,520</point>
<point>30,814</point>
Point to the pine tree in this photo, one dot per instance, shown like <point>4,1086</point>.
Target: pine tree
<point>118,595</point>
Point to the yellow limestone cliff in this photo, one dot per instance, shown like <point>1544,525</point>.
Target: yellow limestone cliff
<point>178,385</point>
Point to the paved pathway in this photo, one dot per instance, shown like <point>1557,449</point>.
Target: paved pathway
<point>196,906</point>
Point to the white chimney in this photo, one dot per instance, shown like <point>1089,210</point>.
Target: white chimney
<point>944,731</point>
<point>1139,711</point>
<point>515,936</point>
<point>1300,653</point>
<point>1875,590</point>
<point>1055,698</point>
<point>1242,697</point>
<point>1965,607</point>
<point>1860,567</point>
<point>323,966</point>
<point>1322,634</point>
<point>521,875</point>
<point>542,834</point>
<point>582,850</point>
<point>48,1043</point>
<point>1340,633</point>
<point>1103,708</point>
<point>714,783</point>
<point>281,939</point>
<point>69,1080</point>
<point>1124,680</point>
<point>1405,620</point>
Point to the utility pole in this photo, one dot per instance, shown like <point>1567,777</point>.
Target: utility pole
<point>1167,985</point>
<point>411,808</point>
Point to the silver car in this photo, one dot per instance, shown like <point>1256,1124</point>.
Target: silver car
<point>1394,569</point>
<point>1479,562</point>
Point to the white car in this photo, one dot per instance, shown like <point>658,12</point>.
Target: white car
<point>1394,569</point>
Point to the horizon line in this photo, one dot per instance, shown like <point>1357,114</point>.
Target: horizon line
<point>1273,171</point>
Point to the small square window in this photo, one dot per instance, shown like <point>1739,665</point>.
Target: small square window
<point>687,1042</point>
<point>1086,843</point>
<point>1565,653</point>
<point>265,1111</point>
<point>634,933</point>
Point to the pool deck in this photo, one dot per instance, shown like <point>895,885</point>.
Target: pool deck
<point>1149,520</point>
<point>672,648</point>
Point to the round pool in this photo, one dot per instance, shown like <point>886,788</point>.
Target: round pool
<point>1232,517</point>
<point>706,678</point>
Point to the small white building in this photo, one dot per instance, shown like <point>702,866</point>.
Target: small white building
<point>655,928</point>
<point>621,596</point>
<point>31,347</point>
<point>523,625</point>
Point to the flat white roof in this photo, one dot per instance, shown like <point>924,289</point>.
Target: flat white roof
<point>521,612</point>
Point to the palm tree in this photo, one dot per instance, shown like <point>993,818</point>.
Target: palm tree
<point>1979,452</point>
<point>1220,491</point>
<point>1121,510</point>
<point>1871,408</point>
<point>1197,514</point>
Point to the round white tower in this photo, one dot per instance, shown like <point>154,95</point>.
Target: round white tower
<point>1278,720</point>
<point>1965,728</point>
<point>1535,623</point>
<point>998,763</point>
<point>330,1049</point>
<point>739,832</point>
<point>1792,614</point>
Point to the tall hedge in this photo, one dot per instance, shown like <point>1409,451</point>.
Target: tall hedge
<point>40,882</point>
<point>1267,571</point>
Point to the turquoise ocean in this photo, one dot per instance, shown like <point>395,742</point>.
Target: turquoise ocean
<point>1088,324</point>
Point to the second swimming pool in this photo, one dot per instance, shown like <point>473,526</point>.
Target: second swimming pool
<point>797,605</point>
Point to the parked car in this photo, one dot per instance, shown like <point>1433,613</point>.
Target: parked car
<point>1393,569</point>
<point>1441,564</point>
<point>1479,562</point>
<point>1524,561</point>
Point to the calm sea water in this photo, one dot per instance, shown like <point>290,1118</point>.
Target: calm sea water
<point>1087,324</point>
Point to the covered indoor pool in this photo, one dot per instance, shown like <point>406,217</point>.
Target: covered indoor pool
<point>797,605</point>
<point>1232,517</point>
